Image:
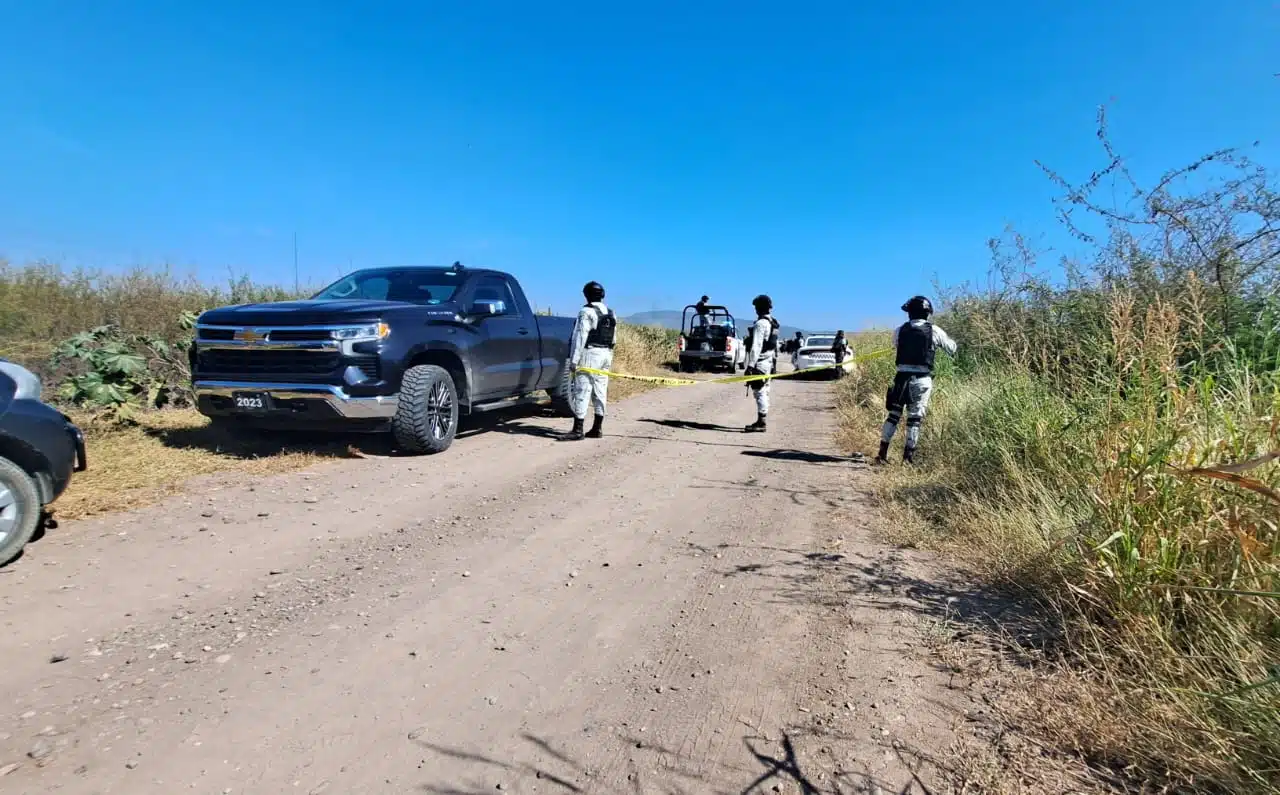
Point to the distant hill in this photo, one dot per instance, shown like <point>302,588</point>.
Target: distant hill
<point>668,318</point>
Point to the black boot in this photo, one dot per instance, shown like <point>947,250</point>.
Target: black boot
<point>882,457</point>
<point>759,426</point>
<point>575,435</point>
<point>908,455</point>
<point>596,432</point>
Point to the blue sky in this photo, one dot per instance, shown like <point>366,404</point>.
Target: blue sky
<point>837,155</point>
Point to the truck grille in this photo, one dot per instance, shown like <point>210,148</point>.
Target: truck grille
<point>274,365</point>
<point>298,335</point>
<point>273,335</point>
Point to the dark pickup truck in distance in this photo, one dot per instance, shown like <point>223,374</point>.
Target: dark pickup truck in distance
<point>405,349</point>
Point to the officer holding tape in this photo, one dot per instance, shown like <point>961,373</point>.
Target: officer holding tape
<point>762,357</point>
<point>916,342</point>
<point>592,343</point>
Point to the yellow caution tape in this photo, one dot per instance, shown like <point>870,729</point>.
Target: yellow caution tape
<point>650,379</point>
<point>734,379</point>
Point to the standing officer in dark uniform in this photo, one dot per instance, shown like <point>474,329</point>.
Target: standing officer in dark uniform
<point>841,349</point>
<point>916,342</point>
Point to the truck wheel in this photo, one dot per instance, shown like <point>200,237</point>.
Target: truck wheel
<point>19,509</point>
<point>426,417</point>
<point>562,393</point>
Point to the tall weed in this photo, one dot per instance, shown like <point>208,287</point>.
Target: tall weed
<point>1109,445</point>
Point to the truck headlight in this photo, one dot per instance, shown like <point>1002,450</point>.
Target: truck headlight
<point>26,383</point>
<point>373,331</point>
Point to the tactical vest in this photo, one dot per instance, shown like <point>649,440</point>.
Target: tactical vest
<point>770,342</point>
<point>606,330</point>
<point>915,345</point>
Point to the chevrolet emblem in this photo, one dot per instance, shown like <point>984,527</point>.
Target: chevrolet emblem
<point>251,336</point>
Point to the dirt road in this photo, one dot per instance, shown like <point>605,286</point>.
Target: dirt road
<point>679,607</point>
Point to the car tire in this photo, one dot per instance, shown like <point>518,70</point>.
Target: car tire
<point>426,418</point>
<point>20,509</point>
<point>562,393</point>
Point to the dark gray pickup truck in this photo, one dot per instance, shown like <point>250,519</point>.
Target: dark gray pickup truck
<point>404,349</point>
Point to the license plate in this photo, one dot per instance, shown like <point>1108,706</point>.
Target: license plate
<point>251,401</point>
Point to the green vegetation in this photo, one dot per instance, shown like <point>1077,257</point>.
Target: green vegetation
<point>1106,444</point>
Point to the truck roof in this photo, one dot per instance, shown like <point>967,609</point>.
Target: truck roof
<point>456,267</point>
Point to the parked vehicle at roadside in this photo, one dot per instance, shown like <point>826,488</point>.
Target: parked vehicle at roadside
<point>40,449</point>
<point>709,340</point>
<point>815,351</point>
<point>400,349</point>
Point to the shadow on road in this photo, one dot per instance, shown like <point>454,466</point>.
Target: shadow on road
<point>688,425</point>
<point>697,442</point>
<point>956,608</point>
<point>769,765</point>
<point>251,442</point>
<point>830,498</point>
<point>804,456</point>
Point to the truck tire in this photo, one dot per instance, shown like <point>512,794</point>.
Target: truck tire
<point>20,509</point>
<point>426,419</point>
<point>562,393</point>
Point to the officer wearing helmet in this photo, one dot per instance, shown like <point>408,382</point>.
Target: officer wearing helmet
<point>762,356</point>
<point>591,345</point>
<point>915,342</point>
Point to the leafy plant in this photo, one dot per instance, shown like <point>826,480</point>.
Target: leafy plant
<point>117,371</point>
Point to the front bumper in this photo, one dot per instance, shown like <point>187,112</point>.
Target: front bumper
<point>77,439</point>
<point>304,401</point>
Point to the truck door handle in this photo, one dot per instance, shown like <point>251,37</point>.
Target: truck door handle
<point>522,331</point>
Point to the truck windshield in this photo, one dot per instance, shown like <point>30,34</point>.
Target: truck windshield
<point>820,342</point>
<point>424,286</point>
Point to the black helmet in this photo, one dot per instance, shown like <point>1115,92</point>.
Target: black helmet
<point>593,291</point>
<point>763,304</point>
<point>918,307</point>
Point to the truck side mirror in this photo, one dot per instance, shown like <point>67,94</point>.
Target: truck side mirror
<point>487,308</point>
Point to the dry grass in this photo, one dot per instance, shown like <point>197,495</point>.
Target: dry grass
<point>42,304</point>
<point>1076,493</point>
<point>136,465</point>
<point>642,350</point>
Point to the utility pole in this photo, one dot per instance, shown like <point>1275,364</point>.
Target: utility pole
<point>296,286</point>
